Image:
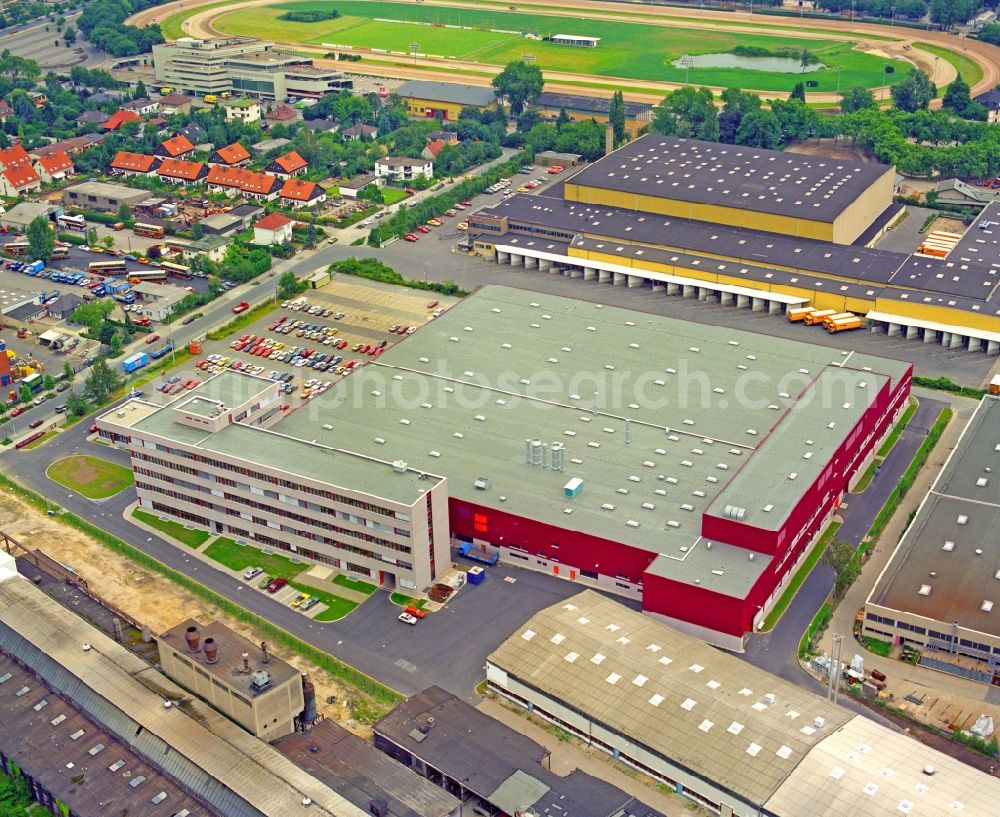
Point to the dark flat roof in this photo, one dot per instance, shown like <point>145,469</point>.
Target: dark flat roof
<point>360,773</point>
<point>70,756</point>
<point>589,104</point>
<point>453,92</point>
<point>769,181</point>
<point>485,755</point>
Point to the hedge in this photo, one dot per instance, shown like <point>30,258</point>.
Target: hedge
<point>945,384</point>
<point>325,661</point>
<point>375,270</point>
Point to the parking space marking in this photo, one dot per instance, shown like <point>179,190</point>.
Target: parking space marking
<point>403,664</point>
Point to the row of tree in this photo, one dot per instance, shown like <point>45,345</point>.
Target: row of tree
<point>103,24</point>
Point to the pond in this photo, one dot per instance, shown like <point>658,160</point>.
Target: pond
<point>784,65</point>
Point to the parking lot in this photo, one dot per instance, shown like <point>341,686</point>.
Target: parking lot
<point>310,350</point>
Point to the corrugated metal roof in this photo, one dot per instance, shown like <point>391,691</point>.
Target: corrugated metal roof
<point>229,768</point>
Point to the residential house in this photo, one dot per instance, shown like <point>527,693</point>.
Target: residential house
<point>92,118</point>
<point>269,145</point>
<point>17,175</point>
<point>177,147</point>
<point>64,306</point>
<point>99,98</point>
<point>424,99</point>
<point>234,155</point>
<point>272,230</point>
<point>156,125</point>
<point>350,188</point>
<point>212,246</point>
<point>244,109</point>
<point>288,165</point>
<point>182,172</point>
<point>297,193</point>
<point>143,107</point>
<point>119,118</point>
<point>5,110</point>
<point>134,164</point>
<point>282,115</point>
<point>247,213</point>
<point>38,98</point>
<point>246,183</point>
<point>72,146</point>
<point>322,125</point>
<point>991,101</point>
<point>359,131</point>
<point>175,103</point>
<point>54,167</point>
<point>958,192</point>
<point>193,132</point>
<point>433,148</point>
<point>402,169</point>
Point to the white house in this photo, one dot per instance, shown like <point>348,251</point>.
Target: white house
<point>400,169</point>
<point>272,229</point>
<point>246,110</point>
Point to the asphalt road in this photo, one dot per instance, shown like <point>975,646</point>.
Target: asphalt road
<point>777,651</point>
<point>447,648</point>
<point>32,41</point>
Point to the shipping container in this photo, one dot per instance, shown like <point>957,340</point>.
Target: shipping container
<point>136,361</point>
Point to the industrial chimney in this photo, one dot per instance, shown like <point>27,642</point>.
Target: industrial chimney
<point>193,639</point>
<point>263,649</point>
<point>309,697</point>
<point>211,651</point>
<point>246,663</point>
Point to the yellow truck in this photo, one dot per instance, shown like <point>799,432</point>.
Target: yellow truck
<point>211,99</point>
<point>818,316</point>
<point>799,313</point>
<point>842,325</point>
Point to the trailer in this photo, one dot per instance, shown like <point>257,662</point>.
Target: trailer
<point>478,554</point>
<point>135,362</point>
<point>818,316</point>
<point>799,313</point>
<point>842,325</point>
<point>169,347</point>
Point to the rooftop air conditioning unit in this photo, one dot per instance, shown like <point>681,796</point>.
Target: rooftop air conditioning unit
<point>399,466</point>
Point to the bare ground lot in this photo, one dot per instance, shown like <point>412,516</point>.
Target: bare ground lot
<point>148,597</point>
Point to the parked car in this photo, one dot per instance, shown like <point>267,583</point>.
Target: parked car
<point>189,319</point>
<point>413,610</point>
<point>308,604</point>
<point>300,599</point>
<point>406,618</point>
<point>36,423</point>
<point>252,573</point>
<point>264,583</point>
<point>17,411</point>
<point>276,585</point>
<point>152,338</point>
<point>409,237</point>
<point>60,409</point>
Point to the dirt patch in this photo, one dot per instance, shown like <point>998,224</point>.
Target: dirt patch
<point>832,149</point>
<point>948,225</point>
<point>82,470</point>
<point>150,598</point>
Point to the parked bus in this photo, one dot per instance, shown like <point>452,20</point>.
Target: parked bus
<point>148,230</point>
<point>60,253</point>
<point>20,248</point>
<point>107,267</point>
<point>68,222</point>
<point>176,270</point>
<point>156,276</point>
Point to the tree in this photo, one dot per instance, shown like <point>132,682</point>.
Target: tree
<point>91,236</point>
<point>41,239</point>
<point>92,315</point>
<point>518,83</point>
<point>798,92</point>
<point>124,213</point>
<point>990,34</point>
<point>76,404</point>
<point>288,286</point>
<point>140,90</point>
<point>759,129</point>
<point>48,382</point>
<point>25,393</point>
<point>688,112</point>
<point>616,117</point>
<point>562,120</point>
<point>735,105</point>
<point>958,100</point>
<point>311,235</point>
<point>69,35</point>
<point>68,371</point>
<point>856,99</point>
<point>101,382</point>
<point>840,556</point>
<point>914,93</point>
<point>116,343</point>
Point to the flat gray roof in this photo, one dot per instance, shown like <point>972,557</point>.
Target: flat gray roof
<point>788,184</point>
<point>947,565</point>
<point>453,92</point>
<point>681,698</point>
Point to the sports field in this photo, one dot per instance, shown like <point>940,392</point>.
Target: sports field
<point>626,50</point>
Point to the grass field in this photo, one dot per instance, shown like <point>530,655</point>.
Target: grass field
<point>226,552</point>
<point>970,70</point>
<point>191,537</point>
<point>626,50</point>
<point>48,435</point>
<point>356,585</point>
<point>91,477</point>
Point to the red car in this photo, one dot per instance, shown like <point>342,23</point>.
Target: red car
<point>414,611</point>
<point>409,191</point>
<point>93,429</point>
<point>409,237</point>
<point>276,585</point>
<point>152,338</point>
<point>432,304</point>
<point>401,330</point>
<point>192,384</point>
<point>466,203</point>
<point>422,229</point>
<point>17,411</point>
<point>36,423</point>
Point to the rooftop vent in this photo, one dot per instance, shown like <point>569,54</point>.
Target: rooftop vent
<point>481,484</point>
<point>399,466</point>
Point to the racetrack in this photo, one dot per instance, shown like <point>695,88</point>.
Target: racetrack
<point>869,37</point>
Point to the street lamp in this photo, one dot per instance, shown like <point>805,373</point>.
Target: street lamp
<point>414,48</point>
<point>686,63</point>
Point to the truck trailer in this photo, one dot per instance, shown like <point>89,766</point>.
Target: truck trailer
<point>477,554</point>
<point>135,362</point>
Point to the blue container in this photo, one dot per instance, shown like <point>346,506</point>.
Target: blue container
<point>476,575</point>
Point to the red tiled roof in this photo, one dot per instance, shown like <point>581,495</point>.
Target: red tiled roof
<point>177,145</point>
<point>5,109</point>
<point>273,222</point>
<point>56,162</point>
<point>119,118</point>
<point>14,156</point>
<point>291,162</point>
<point>281,113</point>
<point>174,100</point>
<point>298,190</point>
<point>21,176</point>
<point>434,147</point>
<point>139,162</point>
<point>248,181</point>
<point>180,169</point>
<point>233,154</point>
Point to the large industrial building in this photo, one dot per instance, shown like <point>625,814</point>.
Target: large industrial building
<point>939,588</point>
<point>242,65</point>
<point>754,229</point>
<point>686,466</point>
<point>717,730</point>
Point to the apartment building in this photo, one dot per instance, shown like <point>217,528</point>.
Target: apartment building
<point>242,65</point>
<point>212,459</point>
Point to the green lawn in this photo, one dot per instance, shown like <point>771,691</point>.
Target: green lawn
<point>354,584</point>
<point>868,476</point>
<point>800,576</point>
<point>406,601</point>
<point>390,195</point>
<point>44,438</point>
<point>91,477</point>
<point>192,537</point>
<point>336,607</point>
<point>631,50</point>
<point>971,71</point>
<point>226,552</point>
<point>878,647</point>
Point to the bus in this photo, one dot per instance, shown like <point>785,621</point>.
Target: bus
<point>107,267</point>
<point>68,222</point>
<point>156,276</point>
<point>60,253</point>
<point>148,230</point>
<point>176,270</point>
<point>20,248</point>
